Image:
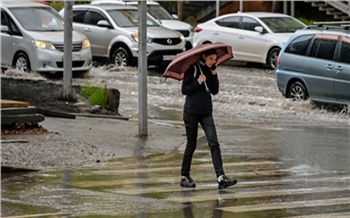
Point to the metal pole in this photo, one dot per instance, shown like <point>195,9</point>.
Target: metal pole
<point>285,7</point>
<point>67,54</point>
<point>241,5</point>
<point>217,8</point>
<point>292,8</point>
<point>142,68</point>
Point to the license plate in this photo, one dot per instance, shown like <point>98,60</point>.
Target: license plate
<point>75,57</point>
<point>168,57</point>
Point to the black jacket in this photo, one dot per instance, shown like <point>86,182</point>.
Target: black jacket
<point>198,100</point>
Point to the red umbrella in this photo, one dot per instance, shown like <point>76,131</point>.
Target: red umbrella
<point>176,69</point>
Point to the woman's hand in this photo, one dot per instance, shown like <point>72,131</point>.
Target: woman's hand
<point>202,78</point>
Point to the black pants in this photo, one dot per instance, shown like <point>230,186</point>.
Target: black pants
<point>207,122</point>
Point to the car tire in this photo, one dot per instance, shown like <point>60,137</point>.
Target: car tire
<point>21,62</point>
<point>122,58</point>
<point>297,92</point>
<point>272,57</point>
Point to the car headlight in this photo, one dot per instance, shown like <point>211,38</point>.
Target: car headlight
<point>135,36</point>
<point>182,37</point>
<point>86,43</point>
<point>43,44</point>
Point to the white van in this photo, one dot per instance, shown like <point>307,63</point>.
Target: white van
<point>32,39</point>
<point>167,20</point>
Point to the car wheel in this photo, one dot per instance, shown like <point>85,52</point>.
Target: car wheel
<point>297,92</point>
<point>121,58</point>
<point>272,58</point>
<point>21,62</point>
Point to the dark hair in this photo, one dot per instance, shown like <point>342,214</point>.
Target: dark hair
<point>207,53</point>
<point>210,52</point>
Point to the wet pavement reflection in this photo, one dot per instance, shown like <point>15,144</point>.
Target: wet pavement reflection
<point>291,160</point>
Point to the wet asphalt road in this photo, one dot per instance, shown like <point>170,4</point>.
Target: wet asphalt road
<point>291,158</point>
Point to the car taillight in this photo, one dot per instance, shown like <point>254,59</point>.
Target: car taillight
<point>197,29</point>
<point>278,60</point>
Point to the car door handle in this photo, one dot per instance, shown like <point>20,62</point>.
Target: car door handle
<point>215,33</point>
<point>339,68</point>
<point>329,66</point>
<point>87,30</point>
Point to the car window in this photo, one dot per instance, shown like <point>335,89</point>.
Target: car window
<point>299,45</point>
<point>282,24</point>
<point>326,49</point>
<point>232,22</point>
<point>94,17</point>
<point>79,16</point>
<point>345,50</point>
<point>249,23</point>
<point>3,19</point>
<point>129,18</point>
<point>41,18</point>
<point>324,46</point>
<point>13,27</point>
<point>158,12</point>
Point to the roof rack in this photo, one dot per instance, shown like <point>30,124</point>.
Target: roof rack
<point>344,26</point>
<point>332,22</point>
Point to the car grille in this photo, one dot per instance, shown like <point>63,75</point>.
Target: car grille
<point>74,64</point>
<point>184,32</point>
<point>167,41</point>
<point>76,47</point>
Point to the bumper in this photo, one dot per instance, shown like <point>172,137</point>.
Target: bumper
<point>159,57</point>
<point>51,61</point>
<point>158,54</point>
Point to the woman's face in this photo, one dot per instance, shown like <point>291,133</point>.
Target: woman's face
<point>210,60</point>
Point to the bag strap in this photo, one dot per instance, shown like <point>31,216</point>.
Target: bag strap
<point>195,71</point>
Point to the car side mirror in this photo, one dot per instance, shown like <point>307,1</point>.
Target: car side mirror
<point>259,29</point>
<point>104,23</point>
<point>5,29</point>
<point>175,16</point>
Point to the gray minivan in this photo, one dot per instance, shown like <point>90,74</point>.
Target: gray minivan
<point>32,39</point>
<point>315,64</point>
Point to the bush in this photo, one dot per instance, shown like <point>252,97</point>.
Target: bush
<point>306,21</point>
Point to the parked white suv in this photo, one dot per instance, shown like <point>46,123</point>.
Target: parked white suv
<point>32,39</point>
<point>113,33</point>
<point>159,13</point>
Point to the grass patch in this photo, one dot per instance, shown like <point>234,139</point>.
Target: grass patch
<point>95,95</point>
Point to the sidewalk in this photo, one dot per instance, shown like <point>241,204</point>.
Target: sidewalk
<point>120,136</point>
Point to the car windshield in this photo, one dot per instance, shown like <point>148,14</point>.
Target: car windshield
<point>38,19</point>
<point>159,13</point>
<point>282,24</point>
<point>129,18</point>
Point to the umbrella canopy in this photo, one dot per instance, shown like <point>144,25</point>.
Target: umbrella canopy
<point>182,61</point>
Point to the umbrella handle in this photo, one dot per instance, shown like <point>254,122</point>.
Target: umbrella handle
<point>206,86</point>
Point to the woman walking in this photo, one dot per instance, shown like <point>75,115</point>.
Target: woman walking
<point>200,81</point>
